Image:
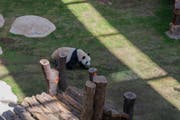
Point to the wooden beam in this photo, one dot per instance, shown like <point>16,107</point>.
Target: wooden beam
<point>75,93</point>
<point>33,109</point>
<point>22,113</point>
<point>54,104</point>
<point>71,101</point>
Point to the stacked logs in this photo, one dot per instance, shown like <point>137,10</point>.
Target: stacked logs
<point>174,26</point>
<point>88,104</point>
<point>52,76</point>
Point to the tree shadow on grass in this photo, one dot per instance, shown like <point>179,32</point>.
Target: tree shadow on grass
<point>147,34</point>
<point>24,58</point>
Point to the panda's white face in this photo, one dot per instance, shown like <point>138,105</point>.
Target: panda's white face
<point>86,61</point>
<point>84,58</point>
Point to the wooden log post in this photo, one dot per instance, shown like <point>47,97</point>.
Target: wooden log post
<point>51,76</point>
<point>99,99</point>
<point>88,101</point>
<point>46,68</point>
<point>129,100</point>
<point>62,84</point>
<point>53,82</point>
<point>92,73</point>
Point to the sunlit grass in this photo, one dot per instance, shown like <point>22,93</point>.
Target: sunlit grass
<point>117,44</point>
<point>126,41</point>
<point>5,75</point>
<point>125,51</point>
<point>166,87</point>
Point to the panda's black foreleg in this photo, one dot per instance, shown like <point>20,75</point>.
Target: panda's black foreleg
<point>70,65</point>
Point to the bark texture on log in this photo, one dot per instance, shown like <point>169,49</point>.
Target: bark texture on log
<point>22,113</point>
<point>70,101</point>
<point>68,105</point>
<point>75,93</point>
<point>88,101</point>
<point>62,73</point>
<point>46,68</point>
<point>99,99</point>
<point>51,76</point>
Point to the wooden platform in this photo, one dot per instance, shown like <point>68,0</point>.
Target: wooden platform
<point>42,107</point>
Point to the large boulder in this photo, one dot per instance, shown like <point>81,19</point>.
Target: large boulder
<point>32,26</point>
<point>6,97</point>
<point>2,21</point>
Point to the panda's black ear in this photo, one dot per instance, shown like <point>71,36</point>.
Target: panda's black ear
<point>88,54</point>
<point>83,57</point>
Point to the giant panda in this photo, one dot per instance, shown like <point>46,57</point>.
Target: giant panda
<point>74,56</point>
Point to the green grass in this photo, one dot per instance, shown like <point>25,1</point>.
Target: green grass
<point>126,40</point>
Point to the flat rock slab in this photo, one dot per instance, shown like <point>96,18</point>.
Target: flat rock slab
<point>32,26</point>
<point>2,21</point>
<point>6,97</point>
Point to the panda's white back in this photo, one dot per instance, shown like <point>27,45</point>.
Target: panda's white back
<point>65,51</point>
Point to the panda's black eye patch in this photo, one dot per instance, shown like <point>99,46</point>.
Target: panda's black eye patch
<point>83,57</point>
<point>88,54</point>
<point>87,62</point>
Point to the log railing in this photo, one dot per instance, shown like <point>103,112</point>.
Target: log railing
<point>87,104</point>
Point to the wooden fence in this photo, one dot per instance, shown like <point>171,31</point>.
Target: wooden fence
<point>89,103</point>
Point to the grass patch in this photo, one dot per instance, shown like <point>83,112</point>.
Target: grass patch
<point>126,41</point>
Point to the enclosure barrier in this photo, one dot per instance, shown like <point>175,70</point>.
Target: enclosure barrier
<point>87,104</point>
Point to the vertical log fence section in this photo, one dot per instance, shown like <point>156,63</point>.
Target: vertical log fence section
<point>86,104</point>
<point>88,101</point>
<point>51,76</point>
<point>99,98</point>
<point>62,84</point>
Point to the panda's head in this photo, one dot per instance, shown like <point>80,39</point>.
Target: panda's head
<point>84,58</point>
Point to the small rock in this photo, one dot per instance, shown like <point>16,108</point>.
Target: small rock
<point>32,26</point>
<point>2,21</point>
<point>1,52</point>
